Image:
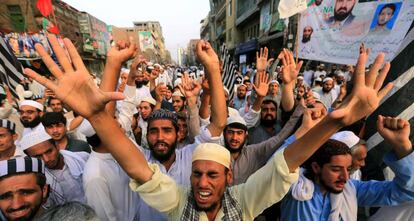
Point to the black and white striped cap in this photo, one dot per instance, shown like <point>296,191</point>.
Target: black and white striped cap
<point>21,165</point>
<point>8,125</point>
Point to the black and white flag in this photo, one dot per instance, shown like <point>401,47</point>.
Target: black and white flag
<point>228,75</point>
<point>11,71</point>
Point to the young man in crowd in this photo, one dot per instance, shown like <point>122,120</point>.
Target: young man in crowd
<point>23,188</point>
<point>8,136</point>
<point>210,162</point>
<point>55,126</point>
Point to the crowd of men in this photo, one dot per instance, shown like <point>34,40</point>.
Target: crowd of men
<point>151,143</point>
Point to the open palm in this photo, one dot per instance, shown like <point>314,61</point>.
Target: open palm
<point>290,69</point>
<point>366,94</point>
<point>74,85</point>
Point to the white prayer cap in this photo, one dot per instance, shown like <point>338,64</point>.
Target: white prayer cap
<point>124,70</point>
<point>236,119</point>
<point>233,111</point>
<point>150,64</point>
<point>149,100</point>
<point>274,82</point>
<point>242,85</point>
<point>322,65</point>
<point>157,65</point>
<point>34,138</point>
<point>21,165</point>
<point>212,152</point>
<point>178,94</point>
<point>340,74</point>
<point>31,103</point>
<point>300,77</point>
<point>346,137</point>
<point>327,79</point>
<point>318,79</point>
<point>27,94</point>
<point>86,128</point>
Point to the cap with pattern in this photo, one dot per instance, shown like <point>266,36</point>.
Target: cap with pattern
<point>162,114</point>
<point>8,125</point>
<point>21,165</point>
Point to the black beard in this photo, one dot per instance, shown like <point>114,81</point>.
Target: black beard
<point>342,16</point>
<point>234,150</point>
<point>139,84</point>
<point>241,98</point>
<point>31,124</point>
<point>163,157</point>
<point>306,39</point>
<point>268,123</point>
<point>326,90</point>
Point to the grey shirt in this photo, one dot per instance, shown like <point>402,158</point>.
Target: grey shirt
<point>253,157</point>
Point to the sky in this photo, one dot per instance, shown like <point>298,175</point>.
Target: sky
<point>180,19</point>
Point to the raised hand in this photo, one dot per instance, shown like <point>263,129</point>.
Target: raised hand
<point>366,94</point>
<point>74,86</point>
<point>311,116</point>
<point>290,69</point>
<point>261,84</point>
<point>395,131</point>
<point>160,91</point>
<point>206,55</point>
<point>261,60</point>
<point>189,87</point>
<point>121,52</point>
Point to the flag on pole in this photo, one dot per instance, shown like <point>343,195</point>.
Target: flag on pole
<point>45,7</point>
<point>11,71</point>
<point>288,8</point>
<point>228,75</point>
<point>399,102</point>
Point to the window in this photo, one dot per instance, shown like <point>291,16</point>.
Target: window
<point>16,17</point>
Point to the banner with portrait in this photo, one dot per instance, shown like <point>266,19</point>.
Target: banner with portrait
<point>332,30</point>
<point>145,40</point>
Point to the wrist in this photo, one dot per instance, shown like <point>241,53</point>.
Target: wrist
<point>98,117</point>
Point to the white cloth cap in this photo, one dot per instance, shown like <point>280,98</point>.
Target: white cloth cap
<point>34,138</point>
<point>27,94</point>
<point>178,94</point>
<point>212,152</point>
<point>235,118</point>
<point>346,137</point>
<point>149,100</point>
<point>327,79</point>
<point>274,82</point>
<point>124,70</point>
<point>32,104</point>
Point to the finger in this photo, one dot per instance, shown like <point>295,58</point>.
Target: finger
<point>291,58</point>
<point>380,123</point>
<point>261,52</point>
<point>387,122</point>
<point>299,66</point>
<point>113,96</point>
<point>41,79</point>
<point>359,76</point>
<point>381,77</point>
<point>266,52</point>
<point>257,56</point>
<point>50,63</point>
<point>385,90</point>
<point>401,123</point>
<point>372,74</point>
<point>74,55</point>
<point>60,53</point>
<point>270,61</point>
<point>394,123</point>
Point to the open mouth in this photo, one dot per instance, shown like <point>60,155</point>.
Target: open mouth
<point>203,196</point>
